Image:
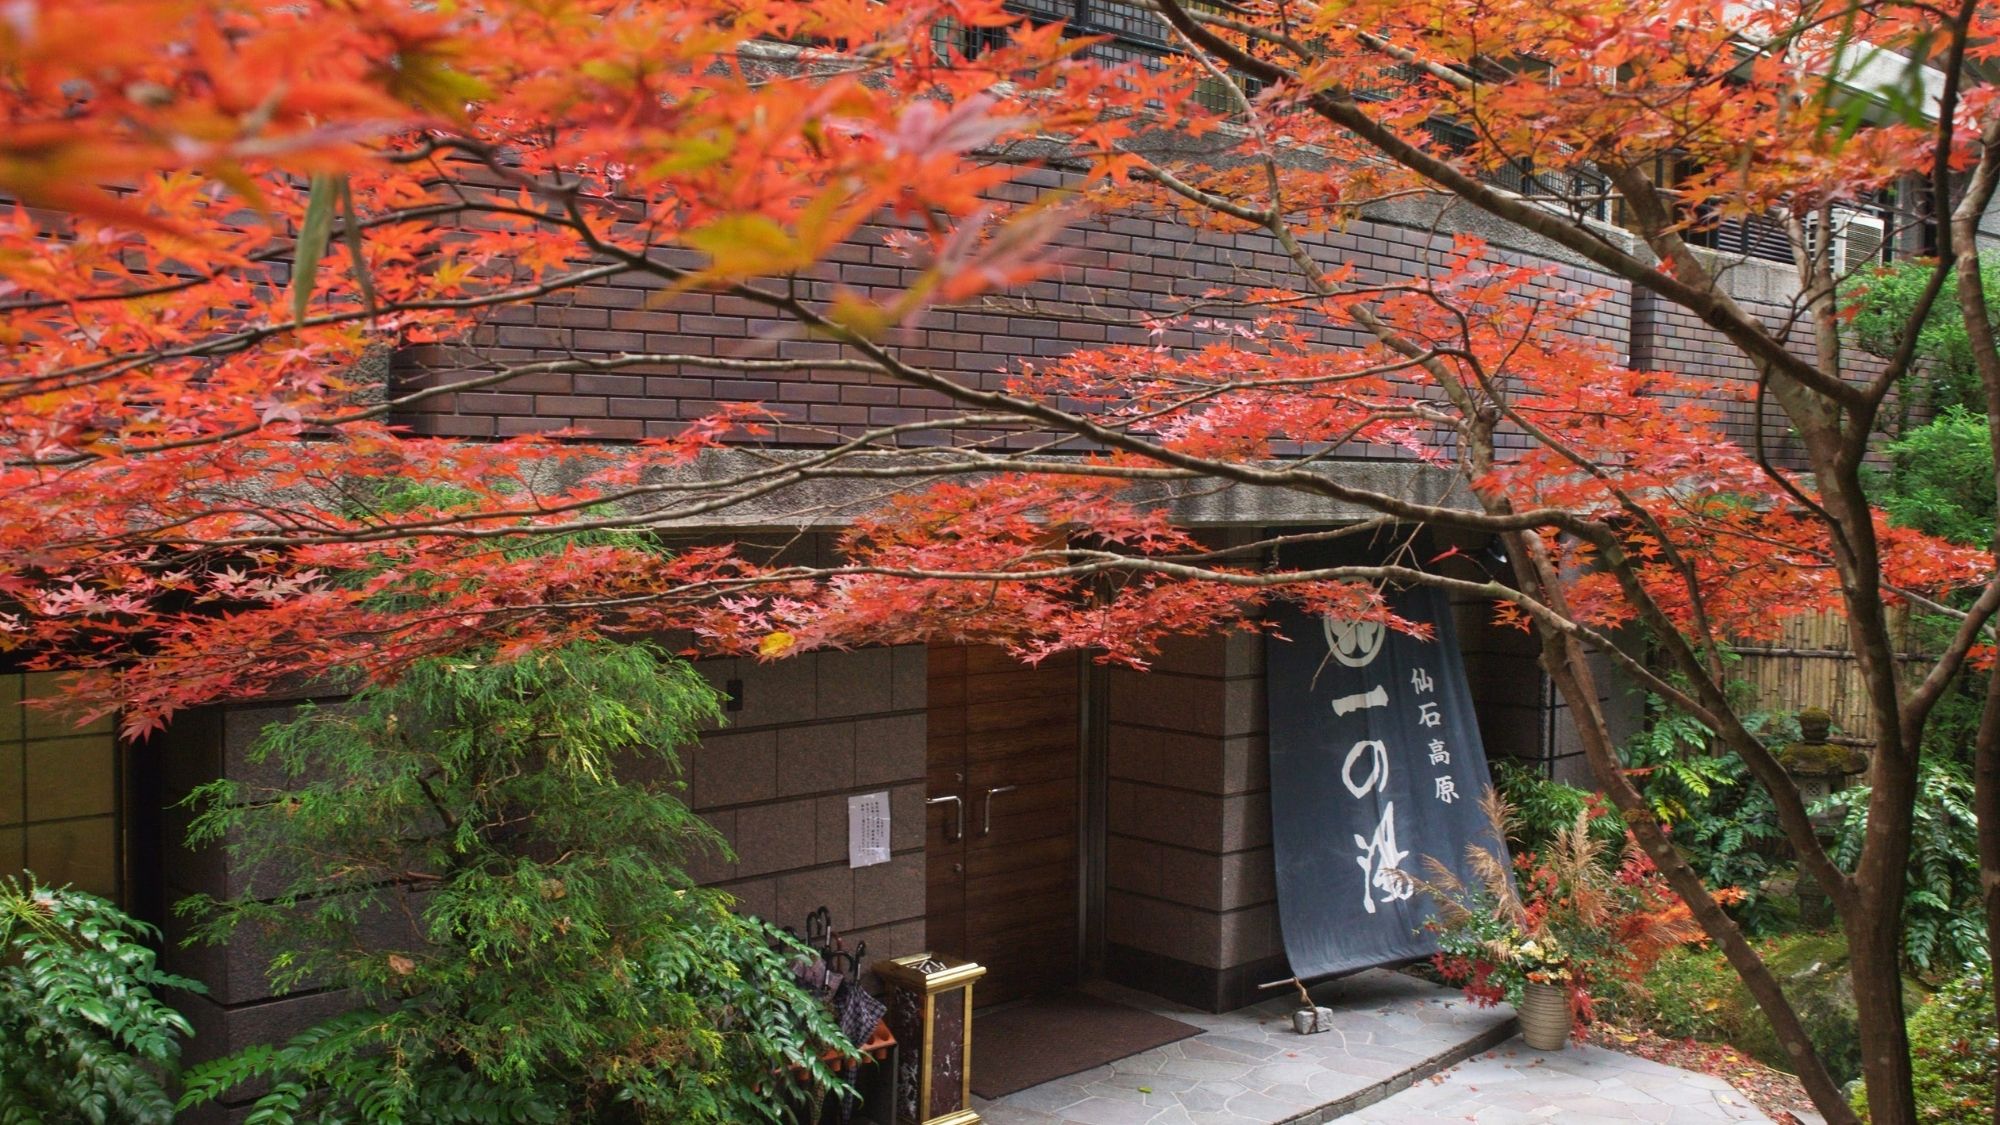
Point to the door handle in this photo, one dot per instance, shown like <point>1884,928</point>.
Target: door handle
<point>986,821</point>
<point>957,832</point>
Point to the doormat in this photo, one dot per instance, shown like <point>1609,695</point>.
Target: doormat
<point>1058,1035</point>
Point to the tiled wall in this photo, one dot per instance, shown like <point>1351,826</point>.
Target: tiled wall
<point>812,731</point>
<point>58,792</point>
<point>1190,901</point>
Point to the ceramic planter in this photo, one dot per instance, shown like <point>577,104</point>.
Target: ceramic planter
<point>1544,1016</point>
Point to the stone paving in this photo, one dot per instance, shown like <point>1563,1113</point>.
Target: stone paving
<point>1402,1052</point>
<point>1516,1084</point>
<point>1250,1068</point>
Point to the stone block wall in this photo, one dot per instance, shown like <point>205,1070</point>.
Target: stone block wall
<point>1190,897</point>
<point>811,732</point>
<point>58,792</point>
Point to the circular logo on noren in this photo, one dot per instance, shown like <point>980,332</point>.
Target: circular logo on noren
<point>1354,643</point>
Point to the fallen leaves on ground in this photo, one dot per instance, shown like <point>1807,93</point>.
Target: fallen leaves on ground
<point>1773,1091</point>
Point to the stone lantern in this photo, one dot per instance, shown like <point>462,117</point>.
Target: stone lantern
<point>1820,768</point>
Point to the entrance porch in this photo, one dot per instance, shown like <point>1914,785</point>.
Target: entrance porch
<point>1248,1067</point>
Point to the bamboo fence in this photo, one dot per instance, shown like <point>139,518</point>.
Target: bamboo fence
<point>1809,664</point>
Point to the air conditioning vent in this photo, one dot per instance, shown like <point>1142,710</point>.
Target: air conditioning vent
<point>1857,242</point>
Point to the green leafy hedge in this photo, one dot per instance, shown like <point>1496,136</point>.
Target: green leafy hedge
<point>84,1034</point>
<point>1955,1054</point>
<point>489,854</point>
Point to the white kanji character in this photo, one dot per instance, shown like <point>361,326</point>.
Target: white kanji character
<point>1378,767</point>
<point>1420,679</point>
<point>1439,755</point>
<point>1381,861</point>
<point>1427,714</point>
<point>1447,790</point>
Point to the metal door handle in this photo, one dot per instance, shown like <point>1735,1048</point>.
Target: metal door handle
<point>956,833</point>
<point>986,822</point>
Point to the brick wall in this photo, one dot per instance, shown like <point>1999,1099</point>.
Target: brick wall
<point>1125,270</point>
<point>1121,270</point>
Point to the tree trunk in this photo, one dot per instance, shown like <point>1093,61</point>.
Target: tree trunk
<point>1986,806</point>
<point>1875,956</point>
<point>1563,658</point>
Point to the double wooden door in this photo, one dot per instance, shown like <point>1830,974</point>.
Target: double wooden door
<point>1001,843</point>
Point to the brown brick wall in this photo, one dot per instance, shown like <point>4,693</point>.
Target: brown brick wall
<point>1125,270</point>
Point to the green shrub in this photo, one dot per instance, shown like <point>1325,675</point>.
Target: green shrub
<point>1943,921</point>
<point>1955,1053</point>
<point>84,1035</point>
<point>1880,304</point>
<point>460,851</point>
<point>1720,817</point>
<point>1543,810</point>
<point>1688,996</point>
<point>1717,813</point>
<point>1693,993</point>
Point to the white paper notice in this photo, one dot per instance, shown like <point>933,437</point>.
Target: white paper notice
<point>867,829</point>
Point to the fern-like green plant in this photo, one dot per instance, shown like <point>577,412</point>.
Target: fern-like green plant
<point>489,855</point>
<point>84,1033</point>
<point>1720,817</point>
<point>1943,923</point>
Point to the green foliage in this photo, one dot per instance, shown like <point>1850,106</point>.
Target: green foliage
<point>1694,993</point>
<point>1688,996</point>
<point>84,1036</point>
<point>1715,810</point>
<point>1881,304</point>
<point>1717,813</point>
<point>1943,923</point>
<point>1954,1053</point>
<point>1941,478</point>
<point>459,849</point>
<point>1541,810</point>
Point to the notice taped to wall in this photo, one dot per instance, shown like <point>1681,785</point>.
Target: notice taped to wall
<point>867,829</point>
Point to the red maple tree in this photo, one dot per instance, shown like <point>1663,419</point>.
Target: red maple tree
<point>228,212</point>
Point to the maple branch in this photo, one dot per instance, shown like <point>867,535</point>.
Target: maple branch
<point>1694,288</point>
<point>245,338</point>
<point>274,253</point>
<point>1909,336</point>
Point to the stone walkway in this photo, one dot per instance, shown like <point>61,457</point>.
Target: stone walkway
<point>1250,1068</point>
<point>1403,1052</point>
<point>1517,1084</point>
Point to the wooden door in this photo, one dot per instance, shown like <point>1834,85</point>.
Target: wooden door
<point>1002,857</point>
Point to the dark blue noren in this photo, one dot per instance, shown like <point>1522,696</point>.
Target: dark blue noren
<point>1376,764</point>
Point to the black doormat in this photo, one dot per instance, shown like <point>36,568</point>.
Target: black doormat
<point>1058,1035</point>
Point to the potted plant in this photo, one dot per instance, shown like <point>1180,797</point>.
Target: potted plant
<point>1550,930</point>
